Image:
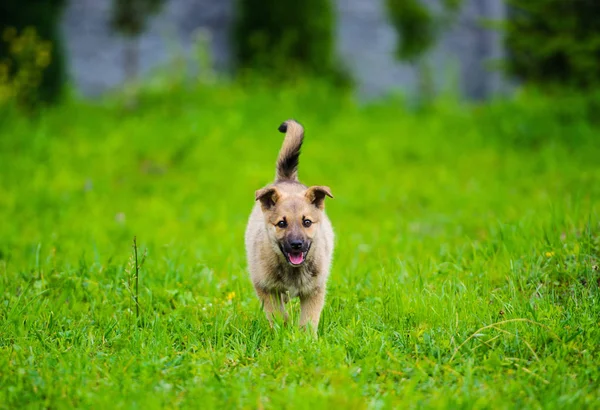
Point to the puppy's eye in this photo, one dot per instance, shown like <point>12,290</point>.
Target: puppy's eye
<point>307,223</point>
<point>282,224</point>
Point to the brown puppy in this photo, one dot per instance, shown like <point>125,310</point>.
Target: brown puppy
<point>289,239</point>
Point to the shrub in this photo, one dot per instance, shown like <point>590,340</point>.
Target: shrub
<point>22,72</point>
<point>554,42</point>
<point>42,16</point>
<point>417,25</point>
<point>130,18</point>
<point>286,38</point>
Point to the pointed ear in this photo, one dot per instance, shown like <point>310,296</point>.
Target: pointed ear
<point>267,196</point>
<point>316,195</point>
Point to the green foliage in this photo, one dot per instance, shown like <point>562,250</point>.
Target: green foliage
<point>22,72</point>
<point>554,42</point>
<point>414,24</point>
<point>465,273</point>
<point>44,17</point>
<point>417,25</point>
<point>287,39</point>
<point>129,17</point>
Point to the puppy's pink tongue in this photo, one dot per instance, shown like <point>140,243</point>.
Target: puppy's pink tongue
<point>296,258</point>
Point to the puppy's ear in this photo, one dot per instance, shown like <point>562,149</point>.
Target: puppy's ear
<point>316,195</point>
<point>268,197</point>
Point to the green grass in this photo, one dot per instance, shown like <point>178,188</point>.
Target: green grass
<point>463,274</point>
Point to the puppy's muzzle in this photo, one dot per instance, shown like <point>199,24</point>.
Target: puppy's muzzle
<point>295,251</point>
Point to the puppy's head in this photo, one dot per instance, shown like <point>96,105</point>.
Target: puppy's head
<point>293,219</point>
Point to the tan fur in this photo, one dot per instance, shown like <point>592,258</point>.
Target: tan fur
<point>274,277</point>
<point>292,142</point>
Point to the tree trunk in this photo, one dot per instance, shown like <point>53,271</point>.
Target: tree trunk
<point>131,60</point>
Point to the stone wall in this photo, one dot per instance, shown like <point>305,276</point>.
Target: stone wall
<point>365,43</point>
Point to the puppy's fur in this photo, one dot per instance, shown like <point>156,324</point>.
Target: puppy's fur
<point>289,239</point>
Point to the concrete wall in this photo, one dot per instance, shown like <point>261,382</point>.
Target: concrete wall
<point>365,42</point>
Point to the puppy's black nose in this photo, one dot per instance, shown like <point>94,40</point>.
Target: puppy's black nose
<point>296,245</point>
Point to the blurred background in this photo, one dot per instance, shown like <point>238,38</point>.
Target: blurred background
<point>359,32</point>
<point>477,49</point>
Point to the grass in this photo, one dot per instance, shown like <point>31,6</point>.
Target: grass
<point>465,273</point>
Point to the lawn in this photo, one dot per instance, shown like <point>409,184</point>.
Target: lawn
<point>465,271</point>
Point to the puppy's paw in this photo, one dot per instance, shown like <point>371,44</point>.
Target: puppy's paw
<point>310,329</point>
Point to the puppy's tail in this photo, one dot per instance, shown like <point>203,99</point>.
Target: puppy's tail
<point>287,161</point>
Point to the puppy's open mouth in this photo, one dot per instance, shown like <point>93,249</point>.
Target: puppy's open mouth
<point>296,258</point>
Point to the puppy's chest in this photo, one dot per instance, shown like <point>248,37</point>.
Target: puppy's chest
<point>296,281</point>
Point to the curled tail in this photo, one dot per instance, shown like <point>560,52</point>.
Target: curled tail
<point>287,161</point>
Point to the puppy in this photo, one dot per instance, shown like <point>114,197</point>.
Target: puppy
<point>289,239</point>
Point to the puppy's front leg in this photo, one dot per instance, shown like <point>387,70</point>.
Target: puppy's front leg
<point>272,303</point>
<point>311,306</point>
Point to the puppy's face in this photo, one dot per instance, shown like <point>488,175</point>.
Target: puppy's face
<point>292,219</point>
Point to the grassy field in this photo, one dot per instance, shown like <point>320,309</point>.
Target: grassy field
<point>465,275</point>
